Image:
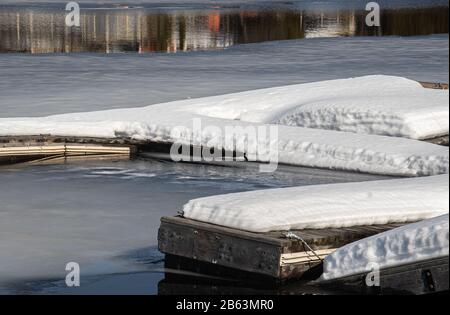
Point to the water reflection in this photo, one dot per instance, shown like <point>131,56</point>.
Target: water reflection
<point>141,30</point>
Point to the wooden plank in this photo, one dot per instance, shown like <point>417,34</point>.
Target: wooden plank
<point>434,85</point>
<point>306,256</point>
<point>62,149</point>
<point>260,237</point>
<point>15,153</point>
<point>74,158</point>
<point>269,254</point>
<point>32,150</point>
<point>220,246</point>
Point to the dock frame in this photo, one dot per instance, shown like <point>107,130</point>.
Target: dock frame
<point>226,251</point>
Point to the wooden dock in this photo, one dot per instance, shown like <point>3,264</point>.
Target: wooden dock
<point>54,153</point>
<point>203,258</point>
<point>48,149</point>
<point>38,148</point>
<point>223,251</point>
<point>434,85</point>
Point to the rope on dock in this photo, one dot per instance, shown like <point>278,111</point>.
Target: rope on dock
<point>291,235</point>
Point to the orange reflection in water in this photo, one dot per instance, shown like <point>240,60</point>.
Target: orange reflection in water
<point>143,31</point>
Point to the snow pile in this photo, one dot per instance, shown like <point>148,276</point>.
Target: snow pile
<point>410,243</point>
<point>378,104</point>
<point>326,206</point>
<point>418,114</point>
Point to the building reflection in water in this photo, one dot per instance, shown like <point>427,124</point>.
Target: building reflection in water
<point>140,30</point>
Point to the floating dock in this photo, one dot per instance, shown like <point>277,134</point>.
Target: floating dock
<point>203,258</point>
<point>55,153</point>
<point>43,149</point>
<point>276,256</point>
<point>434,85</point>
<point>48,149</point>
<point>54,149</point>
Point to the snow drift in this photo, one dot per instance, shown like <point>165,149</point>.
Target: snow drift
<point>383,105</point>
<point>410,243</point>
<point>326,206</point>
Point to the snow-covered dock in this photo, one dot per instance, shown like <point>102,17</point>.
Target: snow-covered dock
<point>361,113</point>
<point>369,120</point>
<point>277,256</point>
<point>104,146</point>
<point>284,233</point>
<point>269,262</point>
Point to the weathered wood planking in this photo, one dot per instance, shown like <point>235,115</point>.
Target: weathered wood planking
<point>42,140</point>
<point>16,153</point>
<point>67,149</point>
<point>434,85</point>
<point>267,254</point>
<point>430,276</point>
<point>159,150</point>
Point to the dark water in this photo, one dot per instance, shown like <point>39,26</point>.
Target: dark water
<point>41,29</point>
<point>105,216</point>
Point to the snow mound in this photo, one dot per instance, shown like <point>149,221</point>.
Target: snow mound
<point>419,115</point>
<point>415,242</point>
<point>378,104</point>
<point>326,206</point>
